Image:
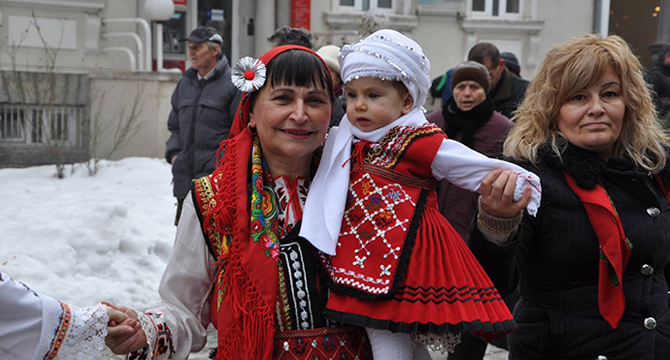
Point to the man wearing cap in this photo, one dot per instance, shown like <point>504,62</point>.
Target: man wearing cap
<point>203,107</point>
<point>507,91</point>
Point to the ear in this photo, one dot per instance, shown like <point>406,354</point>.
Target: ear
<point>502,63</point>
<point>407,103</point>
<point>252,119</point>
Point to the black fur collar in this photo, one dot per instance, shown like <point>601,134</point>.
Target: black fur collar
<point>587,169</point>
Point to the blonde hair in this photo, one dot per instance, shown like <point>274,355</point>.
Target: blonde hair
<point>569,67</point>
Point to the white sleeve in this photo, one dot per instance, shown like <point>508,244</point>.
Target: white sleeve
<point>466,168</point>
<point>37,326</point>
<point>180,320</point>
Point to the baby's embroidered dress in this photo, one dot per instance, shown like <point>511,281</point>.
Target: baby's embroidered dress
<point>400,265</point>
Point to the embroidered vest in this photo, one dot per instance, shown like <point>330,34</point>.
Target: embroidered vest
<point>388,190</point>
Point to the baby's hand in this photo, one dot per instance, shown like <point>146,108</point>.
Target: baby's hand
<point>497,190</point>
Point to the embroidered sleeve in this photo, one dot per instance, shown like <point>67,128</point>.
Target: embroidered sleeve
<point>466,168</point>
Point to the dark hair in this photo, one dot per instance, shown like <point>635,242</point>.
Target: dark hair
<point>484,50</point>
<point>291,36</point>
<point>297,68</point>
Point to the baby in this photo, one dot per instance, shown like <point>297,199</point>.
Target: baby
<point>396,266</point>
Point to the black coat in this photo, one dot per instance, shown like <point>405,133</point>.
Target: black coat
<point>555,258</point>
<point>201,117</point>
<point>508,94</point>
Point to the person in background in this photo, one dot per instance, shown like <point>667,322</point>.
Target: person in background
<point>34,326</point>
<point>506,91</point>
<point>658,78</point>
<point>329,55</point>
<point>512,63</point>
<point>291,36</point>
<point>592,266</point>
<point>203,107</point>
<point>468,117</point>
<point>238,262</point>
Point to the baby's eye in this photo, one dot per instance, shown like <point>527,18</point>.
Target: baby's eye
<point>373,95</point>
<point>351,95</point>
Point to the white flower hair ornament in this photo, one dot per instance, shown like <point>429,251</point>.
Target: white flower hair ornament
<point>248,75</point>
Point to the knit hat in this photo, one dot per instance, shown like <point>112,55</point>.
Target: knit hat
<point>388,55</point>
<point>329,54</point>
<point>473,71</point>
<point>511,62</point>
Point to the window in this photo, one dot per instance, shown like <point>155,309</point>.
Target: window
<point>38,125</point>
<point>12,124</point>
<point>502,8</point>
<point>365,5</point>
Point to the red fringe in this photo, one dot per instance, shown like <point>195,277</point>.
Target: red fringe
<point>252,332</point>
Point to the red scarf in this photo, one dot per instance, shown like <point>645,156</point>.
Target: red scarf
<point>615,248</point>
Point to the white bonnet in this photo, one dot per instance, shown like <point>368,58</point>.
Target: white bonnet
<point>388,55</point>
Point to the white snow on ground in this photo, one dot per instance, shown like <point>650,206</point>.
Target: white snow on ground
<point>84,239</point>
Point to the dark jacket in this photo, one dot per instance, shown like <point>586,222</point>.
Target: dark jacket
<point>200,119</point>
<point>458,205</point>
<point>557,254</point>
<point>508,94</point>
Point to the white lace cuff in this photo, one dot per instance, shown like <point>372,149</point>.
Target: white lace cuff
<point>85,337</point>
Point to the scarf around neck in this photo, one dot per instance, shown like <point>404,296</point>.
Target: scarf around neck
<point>466,122</point>
<point>325,205</point>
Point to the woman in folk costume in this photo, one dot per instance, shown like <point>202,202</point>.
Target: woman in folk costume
<point>592,267</point>
<point>396,265</point>
<point>238,261</point>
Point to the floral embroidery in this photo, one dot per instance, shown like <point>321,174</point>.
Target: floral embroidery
<point>164,344</point>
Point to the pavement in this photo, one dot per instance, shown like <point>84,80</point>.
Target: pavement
<point>492,352</point>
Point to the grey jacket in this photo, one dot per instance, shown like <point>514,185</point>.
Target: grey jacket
<point>200,119</point>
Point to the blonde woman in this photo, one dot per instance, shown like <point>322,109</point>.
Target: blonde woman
<point>591,267</point>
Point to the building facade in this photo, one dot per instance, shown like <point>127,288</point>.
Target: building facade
<point>91,63</point>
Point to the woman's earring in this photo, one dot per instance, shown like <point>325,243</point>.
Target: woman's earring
<point>252,129</point>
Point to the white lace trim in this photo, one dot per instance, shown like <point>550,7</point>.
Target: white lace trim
<point>149,331</point>
<point>85,337</point>
<point>438,343</point>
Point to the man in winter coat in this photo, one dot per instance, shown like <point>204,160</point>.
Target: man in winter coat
<point>506,91</point>
<point>203,108</point>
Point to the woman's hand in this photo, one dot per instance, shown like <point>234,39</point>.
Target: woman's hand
<point>124,333</point>
<point>497,190</point>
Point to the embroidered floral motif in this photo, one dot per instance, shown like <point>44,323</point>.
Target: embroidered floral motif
<point>164,344</point>
<point>276,204</point>
<point>261,226</point>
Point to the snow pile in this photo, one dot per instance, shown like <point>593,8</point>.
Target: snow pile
<point>85,239</point>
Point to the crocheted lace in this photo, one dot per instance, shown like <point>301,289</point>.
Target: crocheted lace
<point>86,335</point>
